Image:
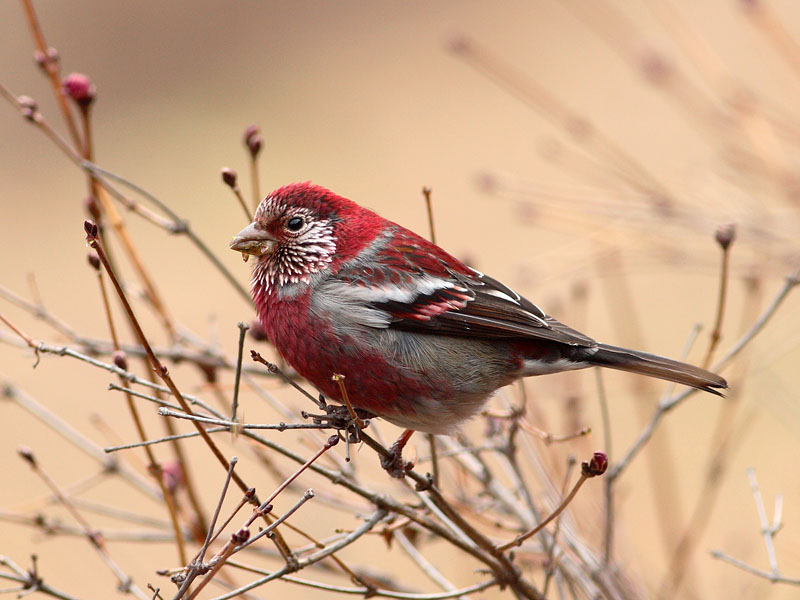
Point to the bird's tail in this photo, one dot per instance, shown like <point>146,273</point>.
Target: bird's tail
<point>652,365</point>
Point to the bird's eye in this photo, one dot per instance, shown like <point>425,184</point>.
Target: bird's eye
<point>294,224</point>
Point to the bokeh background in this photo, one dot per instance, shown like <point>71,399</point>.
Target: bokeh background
<point>584,153</point>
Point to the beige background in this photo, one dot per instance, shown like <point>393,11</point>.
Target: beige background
<point>367,99</point>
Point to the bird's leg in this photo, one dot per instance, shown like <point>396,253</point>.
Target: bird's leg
<point>393,462</point>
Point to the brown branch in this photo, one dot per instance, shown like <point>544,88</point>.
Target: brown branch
<point>160,369</point>
<point>592,468</point>
<point>50,64</point>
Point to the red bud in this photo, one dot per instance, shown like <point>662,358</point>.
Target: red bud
<point>120,360</point>
<point>596,466</point>
<point>79,88</point>
<point>229,177</point>
<point>725,235</point>
<point>94,262</point>
<point>253,139</point>
<point>257,331</point>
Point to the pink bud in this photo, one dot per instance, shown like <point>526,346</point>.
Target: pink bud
<point>655,66</point>
<point>253,139</point>
<point>80,88</point>
<point>254,144</point>
<point>28,107</point>
<point>725,235</point>
<point>172,475</point>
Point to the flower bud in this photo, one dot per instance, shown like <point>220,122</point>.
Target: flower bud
<point>172,475</point>
<point>250,132</point>
<point>596,466</point>
<point>28,107</point>
<point>253,139</point>
<point>725,235</point>
<point>241,536</point>
<point>254,144</point>
<point>655,66</point>
<point>27,455</point>
<point>229,177</point>
<point>120,359</point>
<point>90,227</point>
<point>94,262</point>
<point>257,331</point>
<point>79,88</point>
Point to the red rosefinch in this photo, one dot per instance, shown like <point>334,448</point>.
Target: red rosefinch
<point>421,338</point>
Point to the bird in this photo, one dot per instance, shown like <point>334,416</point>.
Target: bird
<point>422,339</point>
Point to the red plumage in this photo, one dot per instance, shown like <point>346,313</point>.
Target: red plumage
<point>421,338</point>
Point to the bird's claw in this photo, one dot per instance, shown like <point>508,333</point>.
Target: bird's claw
<point>393,463</point>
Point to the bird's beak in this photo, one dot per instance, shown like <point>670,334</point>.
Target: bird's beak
<point>253,240</point>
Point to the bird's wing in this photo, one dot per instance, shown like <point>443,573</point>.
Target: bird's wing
<point>422,288</point>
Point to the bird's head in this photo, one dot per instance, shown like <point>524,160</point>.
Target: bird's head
<point>301,229</point>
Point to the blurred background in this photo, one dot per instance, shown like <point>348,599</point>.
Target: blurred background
<point>584,153</point>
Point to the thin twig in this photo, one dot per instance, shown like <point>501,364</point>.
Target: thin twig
<point>243,327</point>
<point>725,236</point>
<point>367,526</point>
<point>30,581</point>
<point>670,403</point>
<point>177,225</point>
<point>51,67</point>
<point>564,503</point>
<point>93,537</point>
<point>159,368</point>
<point>718,554</point>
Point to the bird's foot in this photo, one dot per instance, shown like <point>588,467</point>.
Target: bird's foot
<point>339,417</point>
<point>393,461</point>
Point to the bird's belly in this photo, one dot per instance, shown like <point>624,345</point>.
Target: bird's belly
<point>423,382</point>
